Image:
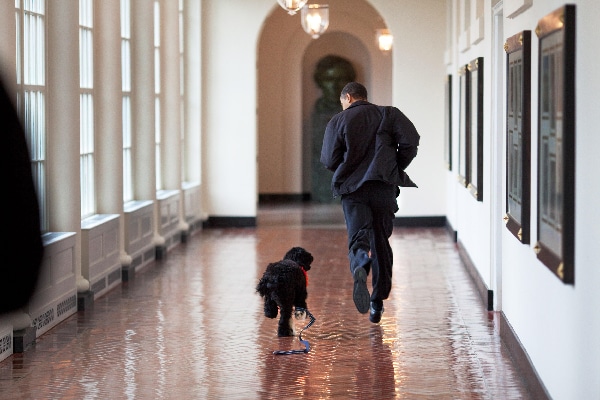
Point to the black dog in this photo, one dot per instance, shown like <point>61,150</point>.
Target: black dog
<point>283,287</point>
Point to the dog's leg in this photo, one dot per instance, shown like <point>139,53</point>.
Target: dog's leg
<point>270,308</point>
<point>286,323</point>
<point>300,301</point>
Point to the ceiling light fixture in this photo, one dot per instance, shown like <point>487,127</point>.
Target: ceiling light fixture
<point>315,19</point>
<point>384,40</point>
<point>292,6</point>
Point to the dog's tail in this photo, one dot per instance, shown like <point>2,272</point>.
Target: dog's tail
<point>266,285</point>
<point>261,288</point>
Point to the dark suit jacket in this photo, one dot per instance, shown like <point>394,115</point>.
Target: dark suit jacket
<point>367,142</point>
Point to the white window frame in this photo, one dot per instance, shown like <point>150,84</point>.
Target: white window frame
<point>30,21</point>
<point>126,95</point>
<point>157,97</point>
<point>182,109</point>
<point>86,108</point>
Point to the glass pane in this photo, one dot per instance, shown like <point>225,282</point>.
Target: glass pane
<point>127,163</point>
<point>86,13</point>
<point>31,64</point>
<point>126,121</point>
<point>127,181</point>
<point>86,52</point>
<point>474,129</point>
<point>157,70</point>
<point>126,65</point>
<point>157,138</point>
<point>87,185</point>
<point>156,24</point>
<point>125,19</point>
<point>18,46</point>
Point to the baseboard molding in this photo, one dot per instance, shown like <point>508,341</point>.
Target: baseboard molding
<point>487,295</point>
<point>451,231</point>
<point>229,222</point>
<point>521,359</point>
<point>420,222</point>
<point>269,198</point>
<point>85,300</point>
<point>250,222</point>
<point>23,339</point>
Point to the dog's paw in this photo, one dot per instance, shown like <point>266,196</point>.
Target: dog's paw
<point>300,313</point>
<point>270,309</point>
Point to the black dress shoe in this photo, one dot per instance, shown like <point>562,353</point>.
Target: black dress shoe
<point>375,312</point>
<point>360,294</point>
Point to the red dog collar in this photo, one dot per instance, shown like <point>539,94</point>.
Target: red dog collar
<point>305,274</point>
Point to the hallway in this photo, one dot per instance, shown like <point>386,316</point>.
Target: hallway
<point>191,326</point>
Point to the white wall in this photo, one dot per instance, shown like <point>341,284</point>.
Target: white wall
<point>231,31</point>
<point>418,90</point>
<point>557,324</point>
<point>469,217</point>
<point>229,42</point>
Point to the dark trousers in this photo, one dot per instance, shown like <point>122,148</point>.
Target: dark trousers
<point>369,214</point>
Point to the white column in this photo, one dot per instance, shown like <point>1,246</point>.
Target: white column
<point>64,192</point>
<point>193,89</point>
<point>109,113</point>
<point>8,47</point>
<point>142,101</point>
<point>171,109</point>
<point>171,104</point>
<point>142,82</point>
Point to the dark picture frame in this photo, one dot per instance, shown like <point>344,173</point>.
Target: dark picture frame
<point>475,132</point>
<point>518,135</point>
<point>555,247</point>
<point>463,124</point>
<point>448,123</point>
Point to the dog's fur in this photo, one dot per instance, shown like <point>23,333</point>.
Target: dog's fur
<point>283,287</point>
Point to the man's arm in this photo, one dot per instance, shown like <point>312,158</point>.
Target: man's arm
<point>407,138</point>
<point>332,152</point>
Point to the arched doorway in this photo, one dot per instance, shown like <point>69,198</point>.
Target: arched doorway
<point>287,92</point>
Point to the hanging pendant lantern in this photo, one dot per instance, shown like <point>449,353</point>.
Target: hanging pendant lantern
<point>292,6</point>
<point>315,19</point>
<point>384,40</point>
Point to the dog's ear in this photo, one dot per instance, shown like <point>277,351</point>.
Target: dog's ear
<point>292,254</point>
<point>307,259</point>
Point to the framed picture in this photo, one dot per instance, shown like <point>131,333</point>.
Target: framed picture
<point>448,123</point>
<point>518,135</point>
<point>463,127</point>
<point>556,143</point>
<point>475,132</point>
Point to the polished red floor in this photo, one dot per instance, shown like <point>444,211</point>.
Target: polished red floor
<point>191,326</point>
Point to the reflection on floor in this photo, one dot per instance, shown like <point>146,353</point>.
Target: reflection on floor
<point>191,326</point>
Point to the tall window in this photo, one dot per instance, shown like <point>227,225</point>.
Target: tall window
<point>31,99</point>
<point>126,89</point>
<point>86,107</point>
<point>157,128</point>
<point>182,89</point>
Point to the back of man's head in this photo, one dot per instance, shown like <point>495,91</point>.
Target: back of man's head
<point>356,90</point>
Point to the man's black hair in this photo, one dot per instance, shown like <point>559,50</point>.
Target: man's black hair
<point>356,90</point>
